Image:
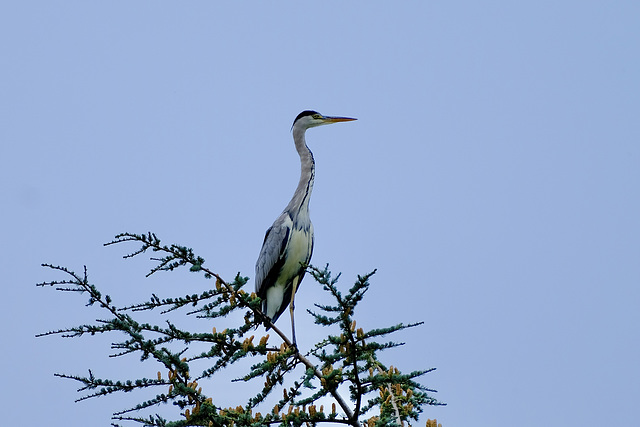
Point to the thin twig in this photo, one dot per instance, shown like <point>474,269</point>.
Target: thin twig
<point>390,390</point>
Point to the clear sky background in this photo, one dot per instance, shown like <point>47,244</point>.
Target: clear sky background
<point>492,178</point>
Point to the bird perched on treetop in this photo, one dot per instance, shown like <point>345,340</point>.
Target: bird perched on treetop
<point>288,243</point>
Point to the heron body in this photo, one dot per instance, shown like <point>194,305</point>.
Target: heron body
<point>288,243</point>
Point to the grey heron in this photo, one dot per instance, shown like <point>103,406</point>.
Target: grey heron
<point>288,243</point>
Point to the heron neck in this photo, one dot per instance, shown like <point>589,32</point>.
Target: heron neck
<point>299,205</point>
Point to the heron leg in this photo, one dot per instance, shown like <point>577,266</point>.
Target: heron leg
<point>291,307</point>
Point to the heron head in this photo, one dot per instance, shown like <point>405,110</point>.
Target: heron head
<point>309,119</point>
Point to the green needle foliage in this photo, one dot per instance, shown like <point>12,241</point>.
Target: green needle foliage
<point>342,368</point>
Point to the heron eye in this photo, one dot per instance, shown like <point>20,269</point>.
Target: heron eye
<point>316,116</point>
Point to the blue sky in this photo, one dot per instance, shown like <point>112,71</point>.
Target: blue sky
<point>492,179</point>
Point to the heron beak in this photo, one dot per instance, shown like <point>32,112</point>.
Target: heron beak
<point>337,119</point>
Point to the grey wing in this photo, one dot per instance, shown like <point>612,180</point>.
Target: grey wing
<point>272,254</point>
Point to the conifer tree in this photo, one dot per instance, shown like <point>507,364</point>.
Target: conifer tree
<point>343,368</point>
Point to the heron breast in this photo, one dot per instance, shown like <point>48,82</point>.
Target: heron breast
<point>298,252</point>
